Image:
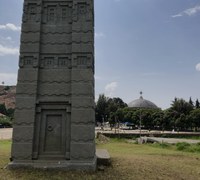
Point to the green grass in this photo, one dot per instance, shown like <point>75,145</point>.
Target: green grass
<point>129,161</point>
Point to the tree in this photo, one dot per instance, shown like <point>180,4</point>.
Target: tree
<point>191,102</point>
<point>197,104</point>
<point>181,106</point>
<point>194,117</point>
<point>157,117</point>
<point>107,108</point>
<point>10,112</point>
<point>101,108</point>
<point>3,109</point>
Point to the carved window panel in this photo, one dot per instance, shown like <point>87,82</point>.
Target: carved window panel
<point>48,62</point>
<point>65,12</point>
<point>63,62</point>
<point>28,61</point>
<point>53,62</point>
<point>82,9</point>
<point>51,14</point>
<point>30,12</point>
<point>82,61</point>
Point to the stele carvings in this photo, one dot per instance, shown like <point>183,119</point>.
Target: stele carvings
<point>54,117</point>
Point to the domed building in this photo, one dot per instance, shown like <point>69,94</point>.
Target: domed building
<point>142,103</point>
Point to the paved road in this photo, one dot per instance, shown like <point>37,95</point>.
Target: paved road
<point>5,133</point>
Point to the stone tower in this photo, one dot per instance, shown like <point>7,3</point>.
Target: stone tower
<point>54,118</point>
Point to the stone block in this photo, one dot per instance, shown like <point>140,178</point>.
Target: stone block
<point>82,75</point>
<point>79,26</point>
<point>82,89</point>
<point>24,117</point>
<point>23,134</point>
<point>82,151</point>
<point>54,89</point>
<point>82,47</point>
<point>83,37</point>
<point>55,75</point>
<point>84,116</point>
<point>29,47</point>
<point>82,102</point>
<point>25,102</point>
<point>26,88</point>
<point>31,37</point>
<point>83,133</point>
<point>56,48</point>
<point>27,75</point>
<point>103,157</point>
<point>64,29</point>
<point>22,151</point>
<point>30,28</point>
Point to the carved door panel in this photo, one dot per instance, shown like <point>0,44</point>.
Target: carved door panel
<point>52,140</point>
<point>53,134</point>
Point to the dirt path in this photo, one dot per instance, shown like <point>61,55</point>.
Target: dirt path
<point>6,133</point>
<point>170,140</point>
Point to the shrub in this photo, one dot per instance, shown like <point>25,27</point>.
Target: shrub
<point>164,145</point>
<point>182,146</point>
<point>5,122</point>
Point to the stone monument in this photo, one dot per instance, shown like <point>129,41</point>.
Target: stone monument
<point>55,118</point>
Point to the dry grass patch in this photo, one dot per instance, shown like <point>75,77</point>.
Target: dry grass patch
<point>129,161</point>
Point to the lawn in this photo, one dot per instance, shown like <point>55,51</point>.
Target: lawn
<point>129,161</point>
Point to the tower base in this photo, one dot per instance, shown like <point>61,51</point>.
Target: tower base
<point>55,164</point>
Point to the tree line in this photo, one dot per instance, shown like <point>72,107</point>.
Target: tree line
<point>182,115</point>
<point>6,117</point>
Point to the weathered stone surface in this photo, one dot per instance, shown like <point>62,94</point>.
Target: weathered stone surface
<point>82,151</point>
<point>27,75</point>
<point>83,116</point>
<point>83,133</point>
<point>83,102</point>
<point>23,134</point>
<point>83,75</point>
<point>54,118</point>
<point>24,117</point>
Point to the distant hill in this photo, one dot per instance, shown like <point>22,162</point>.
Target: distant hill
<point>7,96</point>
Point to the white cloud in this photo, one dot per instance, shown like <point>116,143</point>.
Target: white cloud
<point>177,15</point>
<point>10,26</point>
<point>9,38</point>
<point>99,35</point>
<point>8,50</point>
<point>198,67</point>
<point>188,12</point>
<point>111,88</point>
<point>8,78</point>
<point>98,77</point>
<point>192,11</point>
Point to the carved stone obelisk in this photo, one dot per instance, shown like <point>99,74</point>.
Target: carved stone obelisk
<point>54,118</point>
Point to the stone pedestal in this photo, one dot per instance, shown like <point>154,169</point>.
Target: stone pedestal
<point>55,117</point>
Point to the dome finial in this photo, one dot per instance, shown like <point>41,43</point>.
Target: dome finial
<point>141,95</point>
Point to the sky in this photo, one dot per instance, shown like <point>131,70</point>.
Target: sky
<point>151,46</point>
